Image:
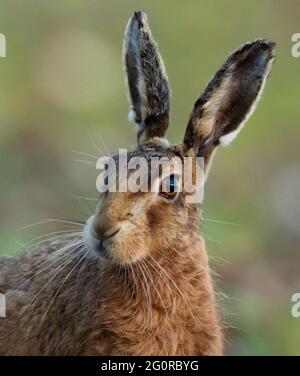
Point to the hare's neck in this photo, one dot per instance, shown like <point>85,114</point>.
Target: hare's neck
<point>167,280</point>
<point>169,294</point>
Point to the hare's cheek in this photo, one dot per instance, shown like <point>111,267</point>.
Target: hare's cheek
<point>129,246</point>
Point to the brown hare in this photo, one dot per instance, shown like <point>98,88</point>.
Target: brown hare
<point>136,280</point>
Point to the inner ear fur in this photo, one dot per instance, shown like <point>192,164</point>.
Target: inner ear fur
<point>230,98</point>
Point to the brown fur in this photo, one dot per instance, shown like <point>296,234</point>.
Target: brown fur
<point>104,309</point>
<point>151,295</point>
<point>136,281</point>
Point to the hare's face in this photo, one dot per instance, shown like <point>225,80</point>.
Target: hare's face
<point>129,225</point>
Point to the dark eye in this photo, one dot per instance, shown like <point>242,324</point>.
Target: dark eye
<point>169,187</point>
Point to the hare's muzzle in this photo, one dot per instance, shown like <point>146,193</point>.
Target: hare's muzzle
<point>96,238</point>
<point>102,243</point>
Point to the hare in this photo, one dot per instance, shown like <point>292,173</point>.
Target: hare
<point>136,279</point>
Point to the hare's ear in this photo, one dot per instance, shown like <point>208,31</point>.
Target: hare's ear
<point>147,80</point>
<point>229,98</point>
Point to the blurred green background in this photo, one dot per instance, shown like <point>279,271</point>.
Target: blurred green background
<point>62,89</point>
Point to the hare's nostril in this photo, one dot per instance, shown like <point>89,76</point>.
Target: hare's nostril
<point>101,247</point>
<point>104,235</point>
<point>110,235</point>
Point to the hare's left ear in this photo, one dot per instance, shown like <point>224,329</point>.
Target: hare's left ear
<point>147,80</point>
<point>229,99</point>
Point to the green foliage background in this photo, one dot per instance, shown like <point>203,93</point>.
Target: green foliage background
<point>62,89</point>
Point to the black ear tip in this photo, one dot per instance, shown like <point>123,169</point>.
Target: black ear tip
<point>140,17</point>
<point>263,45</point>
<point>272,48</point>
<point>266,45</point>
<point>261,50</point>
<point>137,15</point>
<point>271,44</point>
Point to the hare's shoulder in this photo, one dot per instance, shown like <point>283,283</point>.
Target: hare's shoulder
<point>15,270</point>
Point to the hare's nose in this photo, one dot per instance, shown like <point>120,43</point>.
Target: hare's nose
<point>105,232</point>
<point>110,234</point>
<point>101,243</point>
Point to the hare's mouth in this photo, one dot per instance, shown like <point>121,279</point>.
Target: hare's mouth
<point>103,244</point>
<point>94,245</point>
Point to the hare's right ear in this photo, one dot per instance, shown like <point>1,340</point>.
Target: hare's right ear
<point>147,80</point>
<point>229,99</point>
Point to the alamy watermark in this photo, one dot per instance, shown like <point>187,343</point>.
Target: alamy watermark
<point>155,174</point>
<point>2,305</point>
<point>296,306</point>
<point>2,45</point>
<point>296,46</point>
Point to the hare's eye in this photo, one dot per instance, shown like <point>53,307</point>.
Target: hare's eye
<point>169,187</point>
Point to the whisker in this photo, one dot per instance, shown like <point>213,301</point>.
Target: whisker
<point>63,282</point>
<point>57,253</point>
<point>159,296</point>
<point>43,221</point>
<point>51,279</point>
<point>53,240</point>
<point>166,281</point>
<point>96,146</point>
<point>86,154</point>
<point>85,198</point>
<point>20,245</point>
<point>210,238</point>
<point>175,285</point>
<point>79,273</point>
<point>149,289</point>
<point>163,278</point>
<point>102,143</point>
<point>50,236</point>
<point>146,292</point>
<point>223,222</point>
<point>85,206</point>
<point>63,221</point>
<point>83,161</point>
<point>134,282</point>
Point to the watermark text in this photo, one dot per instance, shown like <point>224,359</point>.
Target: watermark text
<point>296,306</point>
<point>2,45</point>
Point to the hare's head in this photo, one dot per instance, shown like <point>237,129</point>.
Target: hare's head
<point>134,224</point>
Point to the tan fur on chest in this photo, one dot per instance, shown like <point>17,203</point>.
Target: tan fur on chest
<point>166,310</point>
